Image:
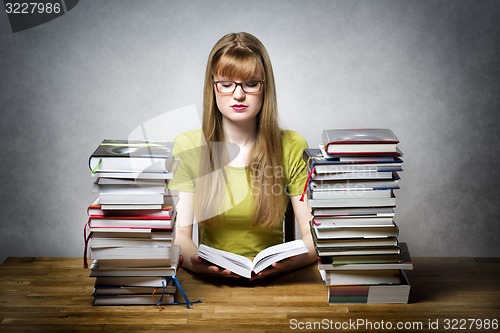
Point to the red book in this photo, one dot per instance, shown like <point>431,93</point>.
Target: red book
<point>362,141</point>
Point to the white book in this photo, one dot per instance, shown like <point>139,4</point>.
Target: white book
<point>140,175</point>
<point>349,243</point>
<point>352,202</point>
<point>243,266</point>
<point>356,232</point>
<point>144,252</point>
<point>130,223</point>
<point>121,267</point>
<point>128,189</point>
<point>130,182</point>
<point>131,281</point>
<point>354,211</point>
<point>131,206</point>
<point>127,242</point>
<point>133,198</point>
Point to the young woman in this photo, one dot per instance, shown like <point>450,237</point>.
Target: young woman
<point>239,196</point>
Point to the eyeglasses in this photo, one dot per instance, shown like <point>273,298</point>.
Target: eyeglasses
<point>228,87</point>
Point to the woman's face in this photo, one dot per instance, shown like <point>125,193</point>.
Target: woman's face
<point>240,106</point>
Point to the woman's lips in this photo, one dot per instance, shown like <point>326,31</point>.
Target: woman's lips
<point>239,107</point>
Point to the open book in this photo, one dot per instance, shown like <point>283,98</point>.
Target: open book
<point>243,266</point>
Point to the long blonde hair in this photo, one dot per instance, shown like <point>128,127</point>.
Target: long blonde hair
<point>238,55</point>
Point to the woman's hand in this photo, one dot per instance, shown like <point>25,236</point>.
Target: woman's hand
<point>200,265</point>
<point>282,266</point>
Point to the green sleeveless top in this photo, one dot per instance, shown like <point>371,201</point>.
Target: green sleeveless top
<point>234,231</point>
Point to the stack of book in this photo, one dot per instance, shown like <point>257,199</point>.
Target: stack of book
<point>352,178</point>
<point>130,232</point>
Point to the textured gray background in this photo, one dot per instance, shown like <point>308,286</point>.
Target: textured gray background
<point>427,69</point>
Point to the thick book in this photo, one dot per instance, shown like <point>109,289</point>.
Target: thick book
<point>145,252</point>
<point>366,251</point>
<point>115,268</point>
<point>140,174</point>
<point>361,277</point>
<point>120,264</point>
<point>354,184</point>
<point>355,231</point>
<point>121,290</point>
<point>357,175</point>
<point>404,264</point>
<point>165,222</point>
<point>130,182</point>
<point>131,233</point>
<point>350,193</point>
<point>243,266</point>
<point>131,281</point>
<point>164,210</point>
<point>314,158</point>
<point>130,189</point>
<point>360,141</point>
<point>125,155</point>
<point>122,207</point>
<point>363,259</point>
<point>101,242</point>
<point>131,198</point>
<point>157,299</point>
<point>337,222</point>
<point>351,202</point>
<point>357,212</point>
<point>354,243</point>
<point>371,294</point>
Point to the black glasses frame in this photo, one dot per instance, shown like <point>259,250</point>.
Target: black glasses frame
<point>241,85</point>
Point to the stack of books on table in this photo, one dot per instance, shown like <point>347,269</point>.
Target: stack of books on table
<point>352,178</point>
<point>130,232</point>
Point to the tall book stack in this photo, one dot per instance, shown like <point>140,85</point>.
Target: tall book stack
<point>130,232</point>
<point>352,178</point>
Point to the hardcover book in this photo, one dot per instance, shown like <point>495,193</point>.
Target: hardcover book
<point>315,158</point>
<point>360,141</point>
<point>395,293</point>
<point>405,263</point>
<point>121,155</point>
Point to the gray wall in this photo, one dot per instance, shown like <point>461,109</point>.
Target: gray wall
<point>429,70</point>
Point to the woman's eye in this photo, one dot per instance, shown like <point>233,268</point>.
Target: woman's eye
<point>227,84</point>
<point>251,84</point>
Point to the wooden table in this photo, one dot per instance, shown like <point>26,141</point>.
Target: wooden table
<point>54,295</point>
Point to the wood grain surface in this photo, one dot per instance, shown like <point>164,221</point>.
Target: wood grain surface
<point>54,295</point>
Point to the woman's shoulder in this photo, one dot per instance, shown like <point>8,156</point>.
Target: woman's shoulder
<point>292,139</point>
<point>188,139</point>
<point>191,135</point>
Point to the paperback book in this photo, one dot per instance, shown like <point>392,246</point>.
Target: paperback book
<point>244,266</point>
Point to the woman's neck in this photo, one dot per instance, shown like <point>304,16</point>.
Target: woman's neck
<point>243,135</point>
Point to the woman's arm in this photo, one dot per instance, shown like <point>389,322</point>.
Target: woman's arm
<point>184,238</point>
<point>184,227</point>
<point>303,215</point>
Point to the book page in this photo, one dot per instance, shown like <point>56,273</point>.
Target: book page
<point>235,263</point>
<point>276,253</point>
